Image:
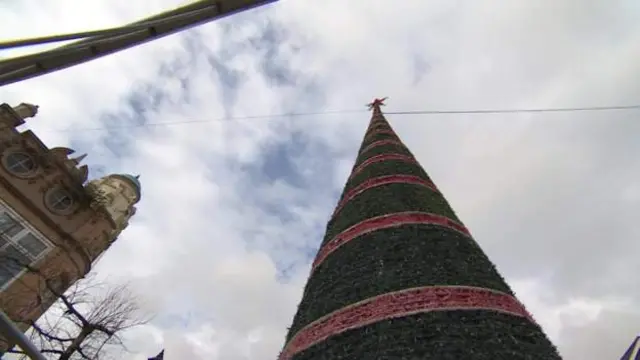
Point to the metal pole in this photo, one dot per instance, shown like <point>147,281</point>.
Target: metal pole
<point>14,335</point>
<point>85,34</point>
<point>94,47</point>
<point>12,63</point>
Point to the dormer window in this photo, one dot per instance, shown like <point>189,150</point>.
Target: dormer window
<point>20,163</point>
<point>59,200</point>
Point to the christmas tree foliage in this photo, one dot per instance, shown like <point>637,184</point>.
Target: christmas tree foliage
<point>398,276</point>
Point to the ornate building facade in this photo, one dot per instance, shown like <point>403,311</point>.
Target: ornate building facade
<point>54,224</point>
<point>398,275</point>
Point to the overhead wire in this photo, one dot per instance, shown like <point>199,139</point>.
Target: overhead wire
<point>236,118</point>
<point>508,111</point>
<point>414,112</point>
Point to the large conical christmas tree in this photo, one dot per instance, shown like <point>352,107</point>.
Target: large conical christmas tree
<point>398,276</point>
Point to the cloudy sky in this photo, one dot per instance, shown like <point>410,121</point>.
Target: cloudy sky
<point>233,210</point>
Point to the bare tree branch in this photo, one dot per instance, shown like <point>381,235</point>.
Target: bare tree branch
<point>87,319</point>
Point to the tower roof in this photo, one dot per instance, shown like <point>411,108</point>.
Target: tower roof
<point>399,276</point>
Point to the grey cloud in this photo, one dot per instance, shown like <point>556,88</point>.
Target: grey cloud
<point>420,68</point>
<point>577,229</point>
<point>606,337</point>
<point>274,64</point>
<point>230,79</point>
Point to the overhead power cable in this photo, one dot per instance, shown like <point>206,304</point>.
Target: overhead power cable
<point>238,118</point>
<point>507,111</point>
<point>415,112</point>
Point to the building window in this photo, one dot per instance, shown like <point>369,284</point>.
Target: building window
<point>20,163</point>
<point>19,247</point>
<point>32,244</point>
<point>59,200</point>
<point>9,226</point>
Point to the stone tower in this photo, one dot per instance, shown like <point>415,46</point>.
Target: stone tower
<point>398,276</point>
<point>118,194</point>
<point>53,224</point>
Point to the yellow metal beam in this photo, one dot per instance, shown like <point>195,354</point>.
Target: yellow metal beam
<point>118,39</point>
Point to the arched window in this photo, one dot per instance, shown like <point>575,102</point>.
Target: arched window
<point>59,200</point>
<point>20,163</point>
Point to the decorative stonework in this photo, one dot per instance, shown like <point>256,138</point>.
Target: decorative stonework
<point>99,198</point>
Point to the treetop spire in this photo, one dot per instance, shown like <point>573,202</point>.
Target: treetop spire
<point>376,103</point>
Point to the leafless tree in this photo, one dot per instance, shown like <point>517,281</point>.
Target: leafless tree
<point>87,320</point>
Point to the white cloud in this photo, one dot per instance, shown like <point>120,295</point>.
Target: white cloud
<point>551,197</point>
